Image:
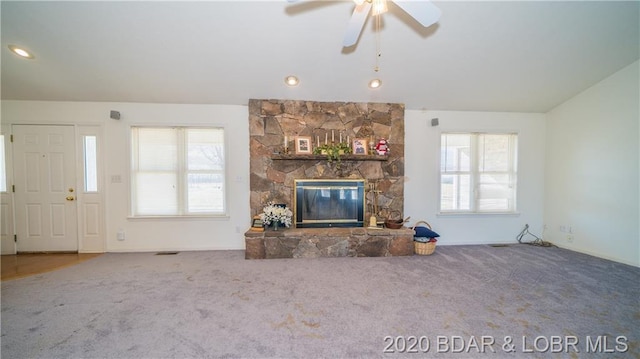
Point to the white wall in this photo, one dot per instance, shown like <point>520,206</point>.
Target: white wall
<point>154,234</point>
<point>589,179</point>
<point>422,166</point>
<point>592,169</point>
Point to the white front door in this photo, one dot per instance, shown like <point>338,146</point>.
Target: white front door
<point>44,175</point>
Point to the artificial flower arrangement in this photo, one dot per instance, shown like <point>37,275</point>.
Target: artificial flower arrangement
<point>277,214</point>
<point>333,151</point>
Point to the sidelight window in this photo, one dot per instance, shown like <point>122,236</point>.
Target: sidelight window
<point>3,171</point>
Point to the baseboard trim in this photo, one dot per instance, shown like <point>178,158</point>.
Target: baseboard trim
<point>598,255</point>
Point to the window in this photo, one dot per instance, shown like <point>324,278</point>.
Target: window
<point>177,171</point>
<point>90,163</point>
<point>3,172</point>
<point>478,173</point>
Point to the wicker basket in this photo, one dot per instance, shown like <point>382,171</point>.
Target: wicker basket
<point>421,248</point>
<point>394,223</point>
<point>424,249</point>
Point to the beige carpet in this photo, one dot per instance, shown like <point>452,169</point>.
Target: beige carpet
<point>218,305</point>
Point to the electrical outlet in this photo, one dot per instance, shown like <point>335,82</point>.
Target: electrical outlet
<point>570,238</point>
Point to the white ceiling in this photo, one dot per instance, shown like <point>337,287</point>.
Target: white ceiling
<point>481,56</point>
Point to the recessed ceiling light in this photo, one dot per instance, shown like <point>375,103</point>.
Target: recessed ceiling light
<point>291,80</point>
<point>375,83</point>
<point>20,52</point>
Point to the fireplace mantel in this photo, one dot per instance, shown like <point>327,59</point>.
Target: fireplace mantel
<point>294,157</point>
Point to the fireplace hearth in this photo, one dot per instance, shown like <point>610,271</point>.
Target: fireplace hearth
<point>328,242</point>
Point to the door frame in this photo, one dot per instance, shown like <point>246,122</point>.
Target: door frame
<point>90,225</point>
<point>7,221</point>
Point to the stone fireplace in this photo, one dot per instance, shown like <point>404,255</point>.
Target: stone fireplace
<point>274,173</point>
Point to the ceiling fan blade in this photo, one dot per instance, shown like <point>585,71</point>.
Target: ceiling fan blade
<point>358,18</point>
<point>423,11</point>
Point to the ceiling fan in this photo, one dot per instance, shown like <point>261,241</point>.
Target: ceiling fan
<point>422,11</point>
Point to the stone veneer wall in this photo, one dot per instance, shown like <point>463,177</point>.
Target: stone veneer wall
<point>271,120</point>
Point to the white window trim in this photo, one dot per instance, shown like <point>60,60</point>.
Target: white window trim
<point>186,216</point>
<point>473,212</point>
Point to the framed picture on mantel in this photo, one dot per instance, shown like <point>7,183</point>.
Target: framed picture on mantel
<point>303,145</point>
<point>359,146</point>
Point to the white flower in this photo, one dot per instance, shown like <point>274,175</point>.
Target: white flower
<point>274,213</point>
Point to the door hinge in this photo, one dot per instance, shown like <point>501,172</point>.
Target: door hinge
<point>15,238</point>
<point>13,188</point>
<point>11,138</point>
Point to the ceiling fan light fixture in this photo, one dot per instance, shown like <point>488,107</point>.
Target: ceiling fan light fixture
<point>291,80</point>
<point>21,52</point>
<point>375,83</point>
<point>379,7</point>
<point>358,2</point>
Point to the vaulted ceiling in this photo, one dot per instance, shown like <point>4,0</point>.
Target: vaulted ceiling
<point>481,56</point>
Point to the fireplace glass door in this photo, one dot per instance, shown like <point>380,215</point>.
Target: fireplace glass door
<point>329,203</point>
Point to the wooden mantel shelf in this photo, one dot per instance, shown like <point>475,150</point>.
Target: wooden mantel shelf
<point>349,157</point>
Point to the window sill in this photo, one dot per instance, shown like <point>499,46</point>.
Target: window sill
<point>180,218</point>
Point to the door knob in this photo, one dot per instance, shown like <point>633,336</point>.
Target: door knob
<point>70,198</point>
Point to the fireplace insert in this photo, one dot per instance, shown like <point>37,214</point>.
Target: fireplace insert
<point>329,203</point>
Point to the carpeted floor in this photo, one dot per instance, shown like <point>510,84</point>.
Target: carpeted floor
<point>462,302</point>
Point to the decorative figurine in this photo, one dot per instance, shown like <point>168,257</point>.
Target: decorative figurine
<point>382,148</point>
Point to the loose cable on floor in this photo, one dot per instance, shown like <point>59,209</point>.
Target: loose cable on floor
<point>537,241</point>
